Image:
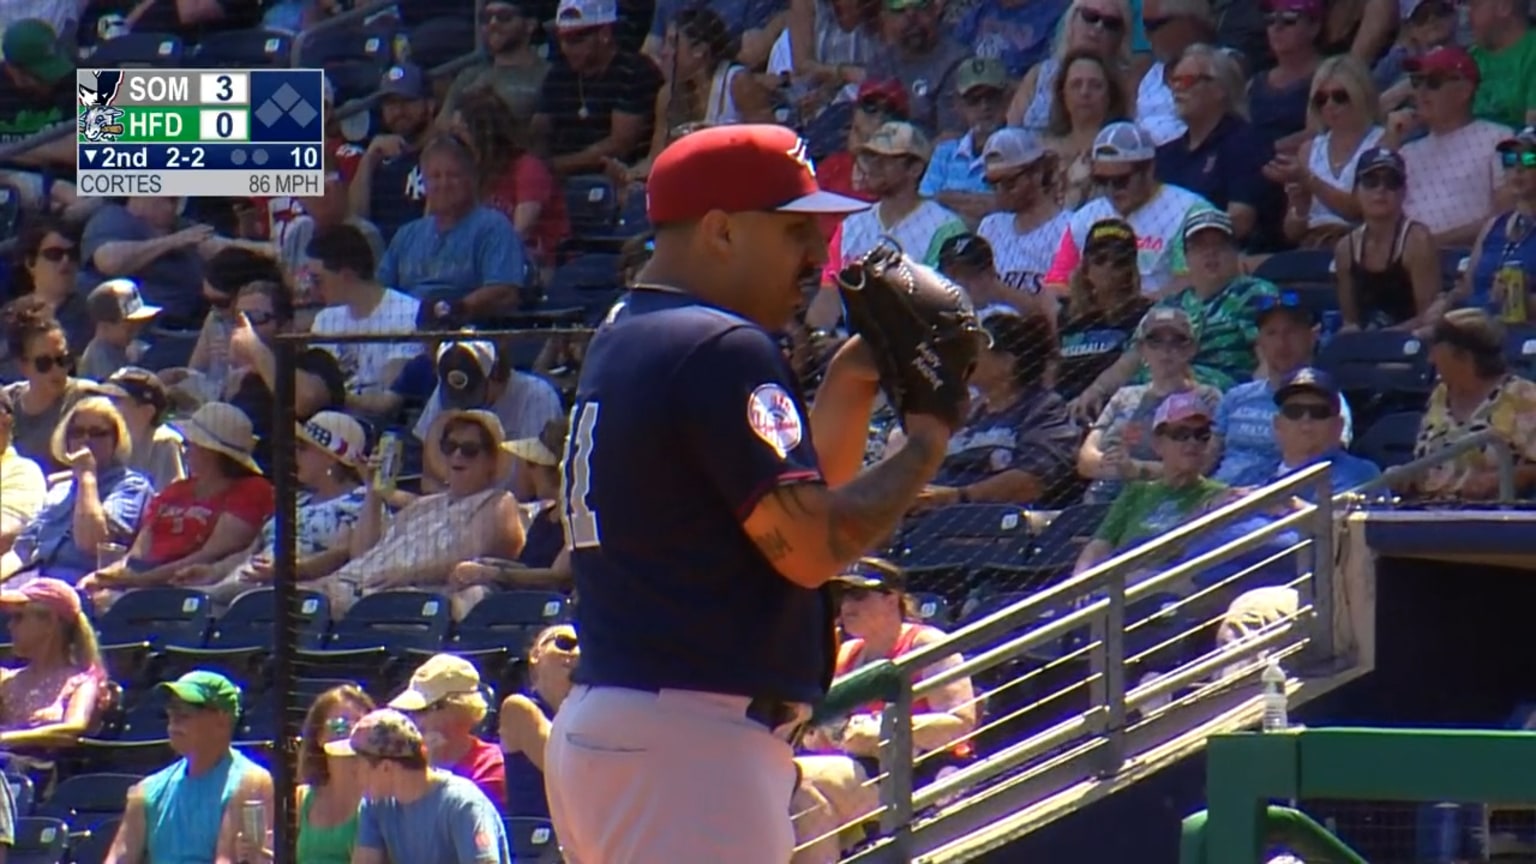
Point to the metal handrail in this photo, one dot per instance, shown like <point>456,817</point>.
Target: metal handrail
<point>36,139</point>
<point>1503,456</point>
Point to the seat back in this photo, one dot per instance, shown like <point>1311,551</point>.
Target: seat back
<point>10,210</point>
<point>397,620</point>
<point>94,846</point>
<point>441,39</point>
<point>344,44</point>
<point>164,616</point>
<point>1054,551</point>
<point>932,609</point>
<point>39,840</point>
<point>1297,267</point>
<point>250,620</point>
<point>590,203</point>
<point>23,792</point>
<point>145,721</point>
<point>1380,370</point>
<point>88,799</point>
<point>1390,440</point>
<point>532,839</point>
<point>510,619</point>
<point>981,540</point>
<point>236,49</point>
<point>139,51</point>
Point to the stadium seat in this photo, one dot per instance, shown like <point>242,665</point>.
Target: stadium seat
<point>1520,350</point>
<point>10,210</point>
<point>976,541</point>
<point>139,51</point>
<point>589,282</point>
<point>352,79</point>
<point>1379,370</point>
<point>1054,551</point>
<point>139,742</point>
<point>85,801</point>
<point>93,846</point>
<point>1390,440</point>
<point>240,49</point>
<point>932,609</point>
<point>441,39</point>
<point>1450,266</point>
<point>1298,267</point>
<point>498,630</point>
<point>147,618</point>
<point>416,12</point>
<point>342,45</point>
<point>242,639</point>
<point>39,840</point>
<point>23,792</point>
<point>379,628</point>
<point>590,203</point>
<point>532,839</point>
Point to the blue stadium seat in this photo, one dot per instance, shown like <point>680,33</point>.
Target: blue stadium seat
<point>378,628</point>
<point>39,840</point>
<point>1054,551</point>
<point>93,846</point>
<point>497,632</point>
<point>417,12</point>
<point>981,541</point>
<point>441,39</point>
<point>352,79</point>
<point>146,618</point>
<point>345,44</point>
<point>140,742</point>
<point>532,840</point>
<point>590,203</point>
<point>1520,350</point>
<point>139,50</point>
<point>1390,440</point>
<point>932,609</point>
<point>88,800</point>
<point>1379,370</point>
<point>1450,266</point>
<point>10,210</point>
<point>1298,267</point>
<point>241,641</point>
<point>239,49</point>
<point>589,282</point>
<point>23,792</point>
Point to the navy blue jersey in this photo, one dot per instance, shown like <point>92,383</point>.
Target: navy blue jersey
<point>686,416</point>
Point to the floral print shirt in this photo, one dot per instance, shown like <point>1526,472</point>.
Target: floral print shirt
<point>1509,410</point>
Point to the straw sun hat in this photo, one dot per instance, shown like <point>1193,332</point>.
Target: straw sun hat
<point>224,429</point>
<point>432,453</point>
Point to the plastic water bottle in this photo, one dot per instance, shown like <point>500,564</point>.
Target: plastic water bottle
<point>1276,714</point>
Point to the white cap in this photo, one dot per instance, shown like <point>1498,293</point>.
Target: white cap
<point>1123,142</point>
<point>1010,148</point>
<point>581,14</point>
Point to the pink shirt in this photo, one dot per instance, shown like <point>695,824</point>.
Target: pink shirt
<point>1452,177</point>
<point>29,699</point>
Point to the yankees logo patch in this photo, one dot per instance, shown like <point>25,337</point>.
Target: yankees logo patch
<point>772,414</point>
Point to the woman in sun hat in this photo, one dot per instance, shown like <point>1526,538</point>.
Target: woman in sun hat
<point>52,699</point>
<point>544,561</point>
<point>328,462</point>
<point>207,516</point>
<point>472,517</point>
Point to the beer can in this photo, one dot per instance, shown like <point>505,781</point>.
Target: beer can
<point>391,452</point>
<point>253,821</point>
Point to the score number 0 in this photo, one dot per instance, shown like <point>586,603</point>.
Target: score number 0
<point>224,125</point>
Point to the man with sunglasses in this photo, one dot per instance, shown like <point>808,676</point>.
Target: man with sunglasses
<point>1309,427</point>
<point>1502,269</point>
<point>1123,157</point>
<point>1427,25</point>
<point>1181,435</point>
<point>514,69</point>
<point>1025,233</point>
<point>1454,173</point>
<point>955,176</point>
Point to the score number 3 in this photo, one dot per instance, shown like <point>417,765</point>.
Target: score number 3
<point>576,479</point>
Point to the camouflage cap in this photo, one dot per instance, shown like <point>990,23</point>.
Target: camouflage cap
<point>382,734</point>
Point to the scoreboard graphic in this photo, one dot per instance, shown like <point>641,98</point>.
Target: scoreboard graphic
<point>200,133</point>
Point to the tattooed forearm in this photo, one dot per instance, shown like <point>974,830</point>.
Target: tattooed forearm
<point>869,506</point>
<point>774,545</point>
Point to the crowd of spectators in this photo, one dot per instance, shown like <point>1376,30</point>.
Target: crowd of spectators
<point>1113,182</point>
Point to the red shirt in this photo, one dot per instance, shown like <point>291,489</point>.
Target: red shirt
<point>486,766</point>
<point>178,524</point>
<point>273,214</point>
<point>529,181</point>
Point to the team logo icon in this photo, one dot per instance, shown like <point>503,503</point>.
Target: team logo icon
<point>772,414</point>
<point>100,121</point>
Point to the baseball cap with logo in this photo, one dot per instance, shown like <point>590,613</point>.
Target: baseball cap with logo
<point>338,435</point>
<point>1208,219</point>
<point>406,81</point>
<point>1450,60</point>
<point>965,253</point>
<point>1178,407</point>
<point>117,300</point>
<point>1121,143</point>
<point>741,168</point>
<point>581,14</point>
<point>206,690</point>
<point>872,574</point>
<point>1380,159</point>
<point>1308,380</point>
<point>981,72</point>
<point>32,46</point>
<point>443,675</point>
<point>464,372</point>
<point>382,734</point>
<point>898,138</point>
<point>1010,148</point>
<point>1165,318</point>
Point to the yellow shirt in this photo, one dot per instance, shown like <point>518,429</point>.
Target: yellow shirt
<point>22,486</point>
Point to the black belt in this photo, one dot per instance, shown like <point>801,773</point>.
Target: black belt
<point>772,713</point>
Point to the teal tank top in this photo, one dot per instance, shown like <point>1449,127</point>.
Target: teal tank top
<point>332,845</point>
<point>183,814</point>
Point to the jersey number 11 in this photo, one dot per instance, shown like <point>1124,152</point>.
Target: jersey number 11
<point>576,479</point>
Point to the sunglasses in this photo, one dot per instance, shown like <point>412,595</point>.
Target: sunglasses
<point>1185,434</point>
<point>1283,19</point>
<point>1283,300</point>
<point>1189,82</point>
<point>1117,182</point>
<point>1381,180</point>
<point>498,16</point>
<point>94,433</point>
<point>470,449</point>
<point>55,254</point>
<point>874,106</point>
<point>1173,340</point>
<point>1107,23</point>
<point>1432,82</point>
<point>1323,97</point>
<point>46,364</point>
<point>564,642</point>
<point>338,727</point>
<point>1518,158</point>
<point>1307,411</point>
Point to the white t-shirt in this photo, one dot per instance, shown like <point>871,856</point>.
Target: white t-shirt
<point>1155,108</point>
<point>363,362</point>
<point>1159,242</point>
<point>1452,177</point>
<point>1022,260</point>
<point>920,233</point>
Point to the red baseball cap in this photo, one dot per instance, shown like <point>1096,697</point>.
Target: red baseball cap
<point>737,169</point>
<point>1446,60</point>
<point>887,90</point>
